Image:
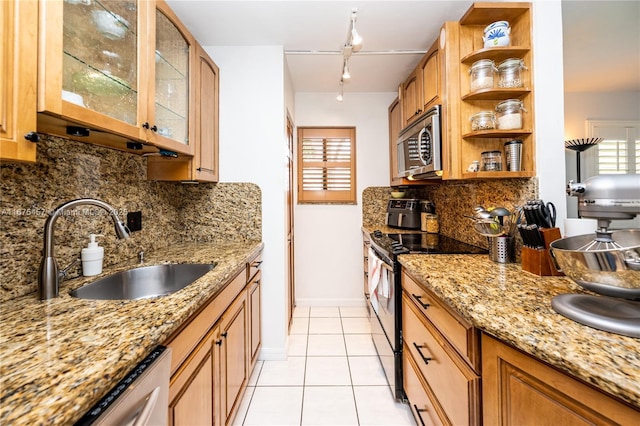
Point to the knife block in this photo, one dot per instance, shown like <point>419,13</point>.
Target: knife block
<point>538,261</point>
<point>550,235</point>
<point>535,261</point>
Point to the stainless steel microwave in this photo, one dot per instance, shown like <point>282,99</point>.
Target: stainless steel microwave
<point>420,147</point>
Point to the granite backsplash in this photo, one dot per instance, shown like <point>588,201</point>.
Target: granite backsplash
<point>67,170</point>
<point>453,200</point>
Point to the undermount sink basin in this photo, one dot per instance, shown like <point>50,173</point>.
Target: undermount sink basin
<point>143,282</point>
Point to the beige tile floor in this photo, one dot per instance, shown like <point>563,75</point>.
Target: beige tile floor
<point>331,377</point>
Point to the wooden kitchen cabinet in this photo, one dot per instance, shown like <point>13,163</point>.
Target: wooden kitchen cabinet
<point>203,166</point>
<point>442,381</point>
<point>518,389</point>
<point>473,143</point>
<point>18,78</point>
<point>254,300</point>
<point>395,125</point>
<point>411,91</point>
<point>429,72</point>
<point>211,354</point>
<point>115,72</point>
<point>191,398</point>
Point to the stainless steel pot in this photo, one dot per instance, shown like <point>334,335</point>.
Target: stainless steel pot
<point>614,272</point>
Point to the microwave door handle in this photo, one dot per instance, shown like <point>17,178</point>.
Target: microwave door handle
<point>420,156</point>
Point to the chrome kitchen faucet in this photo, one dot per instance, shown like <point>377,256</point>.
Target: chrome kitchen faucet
<point>48,278</point>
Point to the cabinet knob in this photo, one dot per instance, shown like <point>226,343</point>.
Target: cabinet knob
<point>219,342</point>
<point>32,137</point>
<point>147,126</point>
<point>224,334</point>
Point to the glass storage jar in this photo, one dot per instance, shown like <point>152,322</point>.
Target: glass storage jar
<point>509,75</point>
<point>482,74</point>
<point>491,161</point>
<point>483,120</point>
<point>509,114</point>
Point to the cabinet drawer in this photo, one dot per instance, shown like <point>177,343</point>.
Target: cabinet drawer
<point>460,333</point>
<point>423,410</point>
<point>453,382</point>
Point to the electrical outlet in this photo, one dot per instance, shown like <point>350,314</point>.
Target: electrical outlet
<point>134,221</point>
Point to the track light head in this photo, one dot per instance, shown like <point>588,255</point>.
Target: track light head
<point>345,71</point>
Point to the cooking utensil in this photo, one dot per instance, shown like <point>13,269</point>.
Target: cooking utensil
<point>500,213</point>
<point>614,272</point>
<point>489,228</point>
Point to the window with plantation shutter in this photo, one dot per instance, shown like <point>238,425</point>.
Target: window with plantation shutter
<point>326,165</point>
<point>619,152</point>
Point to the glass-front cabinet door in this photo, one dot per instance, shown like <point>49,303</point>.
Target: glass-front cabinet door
<point>118,66</point>
<point>89,63</point>
<point>100,50</point>
<point>170,105</point>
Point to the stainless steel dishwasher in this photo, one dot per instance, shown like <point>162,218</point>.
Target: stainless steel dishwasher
<point>141,398</point>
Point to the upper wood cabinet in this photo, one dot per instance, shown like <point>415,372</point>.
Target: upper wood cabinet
<point>410,95</point>
<point>429,73</point>
<point>121,69</point>
<point>395,125</point>
<point>474,142</point>
<point>203,166</point>
<point>18,76</point>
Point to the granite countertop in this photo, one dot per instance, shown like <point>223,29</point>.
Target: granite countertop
<point>515,306</point>
<point>58,357</point>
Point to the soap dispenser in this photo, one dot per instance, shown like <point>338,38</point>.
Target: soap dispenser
<point>92,256</point>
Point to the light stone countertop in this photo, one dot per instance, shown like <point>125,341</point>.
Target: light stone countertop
<point>515,306</point>
<point>59,357</point>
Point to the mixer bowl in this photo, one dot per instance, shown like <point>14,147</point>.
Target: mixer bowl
<point>614,272</point>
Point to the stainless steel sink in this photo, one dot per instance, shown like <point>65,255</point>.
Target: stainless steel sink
<point>143,282</point>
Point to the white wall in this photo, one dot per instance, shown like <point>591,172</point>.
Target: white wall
<point>252,134</point>
<point>328,246</point>
<point>549,105</point>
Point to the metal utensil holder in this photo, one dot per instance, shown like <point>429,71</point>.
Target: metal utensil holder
<point>502,249</point>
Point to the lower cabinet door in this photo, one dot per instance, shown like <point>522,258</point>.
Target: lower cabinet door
<point>517,389</point>
<point>253,295</point>
<point>234,366</point>
<point>423,409</point>
<point>193,387</point>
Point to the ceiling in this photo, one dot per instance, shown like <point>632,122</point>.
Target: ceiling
<point>601,38</point>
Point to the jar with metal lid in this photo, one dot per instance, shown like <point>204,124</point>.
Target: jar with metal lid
<point>482,74</point>
<point>509,114</point>
<point>483,120</point>
<point>429,223</point>
<point>509,73</point>
<point>491,161</point>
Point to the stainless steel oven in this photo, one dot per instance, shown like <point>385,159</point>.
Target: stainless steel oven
<point>385,312</point>
<point>420,147</point>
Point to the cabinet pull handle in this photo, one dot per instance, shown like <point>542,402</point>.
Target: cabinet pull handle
<point>424,305</point>
<point>415,407</point>
<point>219,342</point>
<point>224,334</point>
<point>32,137</point>
<point>257,264</point>
<point>424,358</point>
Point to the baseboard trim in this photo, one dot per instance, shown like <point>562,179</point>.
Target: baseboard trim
<point>332,302</point>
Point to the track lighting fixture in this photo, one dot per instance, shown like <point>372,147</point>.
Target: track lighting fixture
<point>356,40</point>
<point>351,46</point>
<point>345,70</point>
